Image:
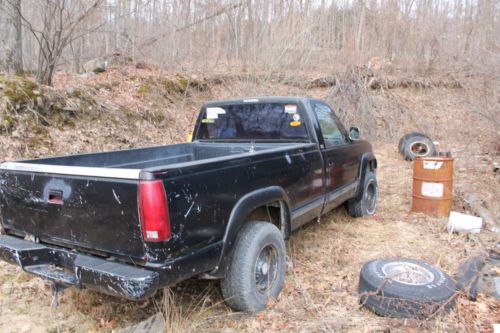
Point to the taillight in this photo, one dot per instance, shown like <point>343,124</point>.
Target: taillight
<point>153,207</point>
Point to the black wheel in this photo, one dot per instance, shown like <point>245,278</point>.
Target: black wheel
<point>468,276</point>
<point>405,288</point>
<point>257,268</point>
<point>367,204</point>
<point>403,140</point>
<point>416,145</point>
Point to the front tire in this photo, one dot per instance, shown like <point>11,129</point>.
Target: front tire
<point>367,204</point>
<point>257,268</point>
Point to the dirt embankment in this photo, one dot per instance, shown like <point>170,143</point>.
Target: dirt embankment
<point>126,107</point>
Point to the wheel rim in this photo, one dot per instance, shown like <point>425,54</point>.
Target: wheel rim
<point>408,273</point>
<point>419,148</point>
<point>266,268</point>
<point>371,197</point>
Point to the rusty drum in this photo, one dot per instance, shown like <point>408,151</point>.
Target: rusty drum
<point>432,185</point>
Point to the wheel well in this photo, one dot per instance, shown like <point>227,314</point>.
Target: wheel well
<point>273,212</point>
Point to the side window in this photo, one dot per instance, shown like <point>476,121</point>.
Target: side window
<point>330,129</point>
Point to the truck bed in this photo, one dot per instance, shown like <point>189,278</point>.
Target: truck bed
<point>144,158</point>
<point>90,201</point>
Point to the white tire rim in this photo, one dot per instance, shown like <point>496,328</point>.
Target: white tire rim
<point>407,273</point>
<point>420,148</point>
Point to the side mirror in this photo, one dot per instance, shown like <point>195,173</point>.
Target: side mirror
<point>354,133</point>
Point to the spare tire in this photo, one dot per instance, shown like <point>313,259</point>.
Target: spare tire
<point>405,288</point>
<point>416,144</point>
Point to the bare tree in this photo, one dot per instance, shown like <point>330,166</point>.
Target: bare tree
<point>4,35</point>
<point>17,50</point>
<point>427,35</point>
<point>13,43</point>
<point>61,21</point>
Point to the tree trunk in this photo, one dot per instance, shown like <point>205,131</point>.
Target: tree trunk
<point>4,36</point>
<point>15,59</point>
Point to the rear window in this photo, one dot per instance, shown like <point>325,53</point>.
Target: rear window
<point>261,121</point>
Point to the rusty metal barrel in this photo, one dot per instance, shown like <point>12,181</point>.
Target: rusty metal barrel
<point>432,185</point>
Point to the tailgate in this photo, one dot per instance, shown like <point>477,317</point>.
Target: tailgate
<point>98,214</point>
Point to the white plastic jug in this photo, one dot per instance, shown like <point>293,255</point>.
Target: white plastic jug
<point>459,222</point>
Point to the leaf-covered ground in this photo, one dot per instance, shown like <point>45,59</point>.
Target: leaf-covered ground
<point>127,108</point>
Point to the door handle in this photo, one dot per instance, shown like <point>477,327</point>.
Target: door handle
<point>55,197</point>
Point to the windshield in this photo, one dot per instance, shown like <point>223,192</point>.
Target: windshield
<point>259,121</point>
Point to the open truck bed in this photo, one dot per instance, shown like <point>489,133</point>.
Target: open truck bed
<point>90,204</point>
<point>127,164</point>
<point>89,201</point>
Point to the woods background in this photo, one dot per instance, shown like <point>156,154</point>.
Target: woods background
<point>417,35</point>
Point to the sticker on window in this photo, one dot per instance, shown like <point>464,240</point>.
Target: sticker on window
<point>289,108</point>
<point>296,117</point>
<point>295,123</point>
<point>213,113</point>
<point>208,121</point>
<point>432,190</point>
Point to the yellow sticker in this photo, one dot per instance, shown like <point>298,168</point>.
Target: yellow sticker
<point>295,123</point>
<point>208,121</point>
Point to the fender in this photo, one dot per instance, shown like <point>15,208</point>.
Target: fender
<point>241,209</point>
<point>368,162</point>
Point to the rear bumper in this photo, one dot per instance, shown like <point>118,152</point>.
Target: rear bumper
<point>69,268</point>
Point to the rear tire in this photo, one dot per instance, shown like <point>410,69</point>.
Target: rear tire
<point>257,268</point>
<point>367,204</point>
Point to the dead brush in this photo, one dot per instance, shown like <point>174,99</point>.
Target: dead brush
<point>172,312</point>
<point>352,99</point>
<point>385,107</point>
<point>186,309</point>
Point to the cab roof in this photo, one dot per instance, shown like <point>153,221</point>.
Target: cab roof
<point>258,99</point>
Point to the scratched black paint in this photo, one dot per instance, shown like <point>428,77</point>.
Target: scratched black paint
<point>98,214</point>
<point>210,186</point>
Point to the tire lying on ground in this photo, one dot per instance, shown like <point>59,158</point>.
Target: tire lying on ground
<point>416,144</point>
<point>405,288</point>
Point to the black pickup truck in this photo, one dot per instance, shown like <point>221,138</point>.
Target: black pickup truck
<point>131,222</point>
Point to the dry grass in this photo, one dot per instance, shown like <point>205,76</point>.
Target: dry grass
<point>325,256</point>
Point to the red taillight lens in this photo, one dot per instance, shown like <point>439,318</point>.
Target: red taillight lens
<point>153,207</point>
